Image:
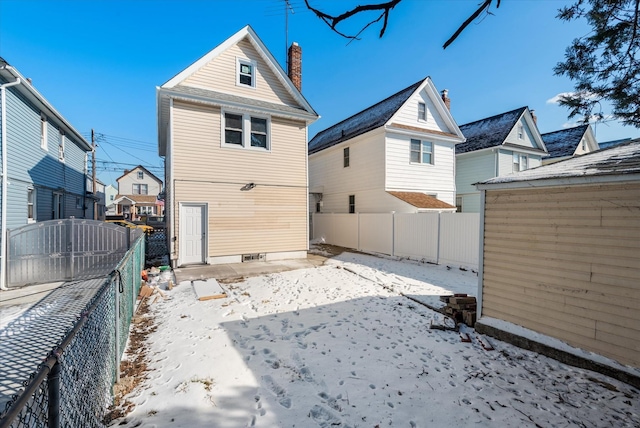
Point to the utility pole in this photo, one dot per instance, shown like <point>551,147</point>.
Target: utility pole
<point>93,173</point>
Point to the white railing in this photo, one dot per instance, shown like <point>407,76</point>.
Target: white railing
<point>442,238</point>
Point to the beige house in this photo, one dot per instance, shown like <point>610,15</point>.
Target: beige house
<point>561,253</point>
<point>137,196</point>
<point>233,130</point>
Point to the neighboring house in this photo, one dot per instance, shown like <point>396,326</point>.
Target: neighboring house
<point>397,155</point>
<point>233,129</point>
<point>98,198</point>
<point>566,143</point>
<point>138,191</point>
<point>110,196</point>
<point>496,146</point>
<point>561,254</point>
<point>613,143</point>
<point>44,160</point>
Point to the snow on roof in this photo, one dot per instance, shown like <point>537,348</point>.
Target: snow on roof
<point>620,160</point>
<point>364,121</point>
<point>613,143</point>
<point>564,142</point>
<point>488,132</point>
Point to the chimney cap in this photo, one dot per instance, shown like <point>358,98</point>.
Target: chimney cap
<point>445,92</point>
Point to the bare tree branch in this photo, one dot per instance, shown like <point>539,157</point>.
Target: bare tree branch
<point>484,6</point>
<point>333,21</point>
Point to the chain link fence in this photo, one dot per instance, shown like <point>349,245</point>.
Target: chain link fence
<point>73,386</point>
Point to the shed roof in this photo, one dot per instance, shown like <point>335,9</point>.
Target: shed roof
<point>565,141</point>
<point>421,200</point>
<point>488,132</point>
<point>622,161</point>
<point>366,120</point>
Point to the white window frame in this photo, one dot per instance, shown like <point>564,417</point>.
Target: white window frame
<point>44,125</point>
<point>31,204</point>
<point>515,162</point>
<point>422,152</point>
<point>246,131</point>
<point>253,64</point>
<point>520,162</point>
<point>140,175</point>
<point>520,132</point>
<point>524,162</point>
<point>139,187</point>
<point>61,147</point>
<point>422,112</point>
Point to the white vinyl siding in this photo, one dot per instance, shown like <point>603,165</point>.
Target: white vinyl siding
<point>220,75</point>
<point>472,168</point>
<point>527,136</point>
<point>409,114</point>
<point>365,171</point>
<point>437,179</point>
<point>131,183</point>
<point>562,261</point>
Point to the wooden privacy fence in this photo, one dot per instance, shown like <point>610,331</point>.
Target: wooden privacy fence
<point>442,238</point>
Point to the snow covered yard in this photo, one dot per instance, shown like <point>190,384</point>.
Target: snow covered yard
<point>339,346</point>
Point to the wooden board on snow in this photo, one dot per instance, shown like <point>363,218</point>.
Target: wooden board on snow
<point>208,289</point>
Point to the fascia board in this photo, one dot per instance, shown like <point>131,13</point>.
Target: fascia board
<point>35,97</point>
<point>262,51</point>
<point>560,181</point>
<point>534,129</point>
<point>426,134</point>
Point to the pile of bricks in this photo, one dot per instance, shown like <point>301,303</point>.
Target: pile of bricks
<point>461,307</point>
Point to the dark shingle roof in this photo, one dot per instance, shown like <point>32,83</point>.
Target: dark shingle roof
<point>368,119</point>
<point>564,142</point>
<point>488,132</point>
<point>613,143</point>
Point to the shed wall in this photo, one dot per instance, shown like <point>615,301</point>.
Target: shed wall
<point>563,261</point>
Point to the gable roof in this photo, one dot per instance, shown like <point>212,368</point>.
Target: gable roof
<point>370,118</point>
<point>127,172</point>
<point>30,93</point>
<point>173,88</point>
<point>489,132</point>
<point>421,200</point>
<point>620,163</point>
<point>565,141</point>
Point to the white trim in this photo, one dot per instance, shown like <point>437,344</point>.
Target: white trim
<point>61,147</point>
<point>262,51</point>
<point>480,256</point>
<point>205,231</point>
<point>559,181</point>
<point>34,207</point>
<point>254,67</point>
<point>246,131</point>
<point>433,94</point>
<point>44,131</point>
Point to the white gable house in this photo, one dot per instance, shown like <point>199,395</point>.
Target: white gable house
<point>397,155</point>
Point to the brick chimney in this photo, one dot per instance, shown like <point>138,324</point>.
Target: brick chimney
<point>534,117</point>
<point>446,99</point>
<point>295,65</point>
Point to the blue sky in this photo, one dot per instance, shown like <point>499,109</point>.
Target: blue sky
<point>99,62</point>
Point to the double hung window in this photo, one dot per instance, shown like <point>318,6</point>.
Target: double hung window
<point>257,133</point>
<point>246,73</point>
<point>421,151</point>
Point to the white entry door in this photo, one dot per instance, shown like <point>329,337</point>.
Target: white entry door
<point>192,233</point>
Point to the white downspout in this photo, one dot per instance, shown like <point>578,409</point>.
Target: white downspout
<point>3,222</point>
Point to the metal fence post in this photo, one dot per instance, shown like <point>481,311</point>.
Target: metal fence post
<point>117,322</point>
<point>53,391</point>
<point>71,247</point>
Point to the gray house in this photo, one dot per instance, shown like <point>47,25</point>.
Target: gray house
<point>43,158</point>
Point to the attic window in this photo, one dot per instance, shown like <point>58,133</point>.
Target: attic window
<point>246,73</point>
<point>422,111</point>
<point>520,132</point>
<point>140,175</point>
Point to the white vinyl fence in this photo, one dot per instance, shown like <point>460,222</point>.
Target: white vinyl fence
<point>442,238</point>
